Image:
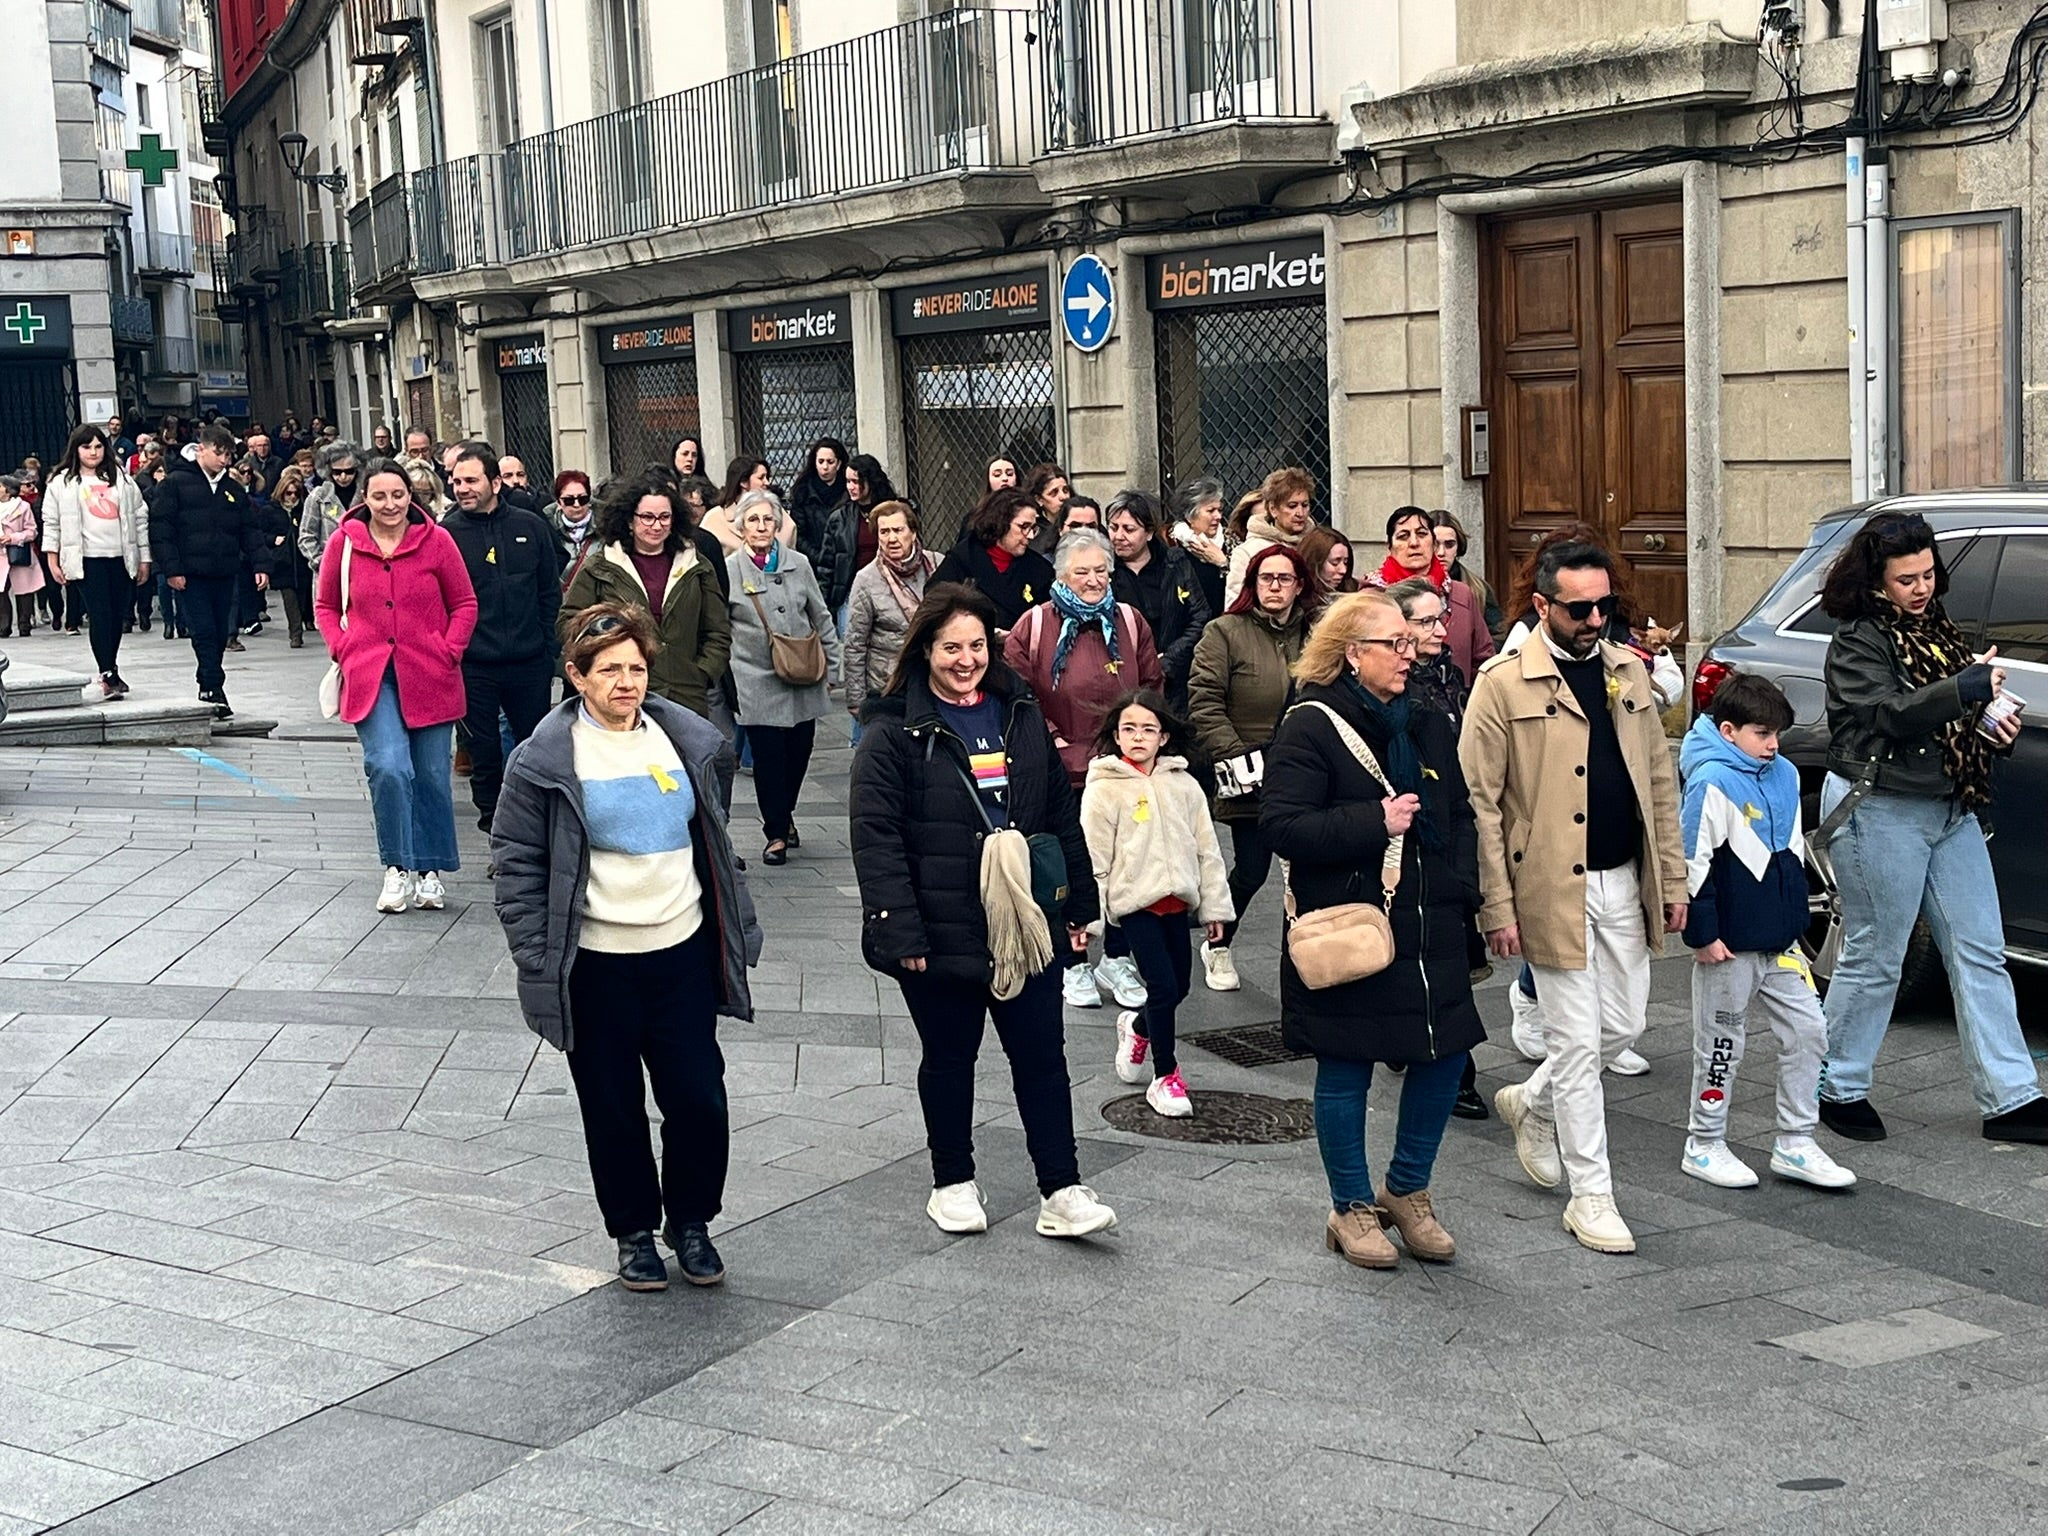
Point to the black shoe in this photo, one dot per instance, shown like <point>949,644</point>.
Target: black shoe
<point>1853,1118</point>
<point>236,645</point>
<point>793,840</point>
<point>640,1266</point>
<point>111,687</point>
<point>170,633</point>
<point>1469,1106</point>
<point>219,700</point>
<point>695,1256</point>
<point>71,629</point>
<point>483,822</point>
<point>2027,1123</point>
<point>775,853</point>
<point>127,626</point>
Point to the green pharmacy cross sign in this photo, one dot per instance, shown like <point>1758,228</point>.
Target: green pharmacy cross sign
<point>25,322</point>
<point>152,159</point>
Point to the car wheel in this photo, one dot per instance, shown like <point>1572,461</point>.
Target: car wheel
<point>1922,979</point>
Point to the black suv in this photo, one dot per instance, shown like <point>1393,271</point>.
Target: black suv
<point>1995,545</point>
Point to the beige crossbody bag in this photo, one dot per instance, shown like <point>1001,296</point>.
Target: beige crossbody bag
<point>1334,945</point>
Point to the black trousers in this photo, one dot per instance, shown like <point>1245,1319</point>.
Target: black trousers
<point>143,601</point>
<point>209,605</point>
<point>522,689</point>
<point>949,1017</point>
<point>1165,959</point>
<point>109,593</point>
<point>653,1010</point>
<point>782,756</point>
<point>1251,860</point>
<point>64,604</point>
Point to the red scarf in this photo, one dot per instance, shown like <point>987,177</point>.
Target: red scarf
<point>1394,571</point>
<point>1000,558</point>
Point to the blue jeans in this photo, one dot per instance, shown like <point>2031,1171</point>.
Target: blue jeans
<point>209,610</point>
<point>170,603</point>
<point>1428,1089</point>
<point>410,796</point>
<point>1899,857</point>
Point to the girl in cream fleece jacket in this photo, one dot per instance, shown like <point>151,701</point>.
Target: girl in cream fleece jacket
<point>1159,867</point>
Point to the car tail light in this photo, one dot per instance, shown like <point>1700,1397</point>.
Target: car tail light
<point>1707,681</point>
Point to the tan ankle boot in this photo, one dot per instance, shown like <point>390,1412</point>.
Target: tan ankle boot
<point>1356,1234</point>
<point>1414,1218</point>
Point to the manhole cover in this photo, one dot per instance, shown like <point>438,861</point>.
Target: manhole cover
<point>1239,1119</point>
<point>1247,1045</point>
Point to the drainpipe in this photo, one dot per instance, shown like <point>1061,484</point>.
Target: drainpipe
<point>1859,379</point>
<point>1877,311</point>
<point>547,69</point>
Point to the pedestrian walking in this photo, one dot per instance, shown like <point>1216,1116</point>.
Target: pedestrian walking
<point>1748,908</point>
<point>817,496</point>
<point>1158,579</point>
<point>336,470</point>
<point>1198,529</point>
<point>686,457</point>
<point>1910,755</point>
<point>1451,546</point>
<point>1580,861</point>
<point>572,517</point>
<point>885,595</point>
<point>397,610</point>
<point>1159,870</point>
<point>640,553</point>
<point>785,650</point>
<point>25,576</point>
<point>295,590</point>
<point>1364,799</point>
<point>1238,686</point>
<point>954,773</point>
<point>1329,558</point>
<point>1049,489</point>
<point>96,533</point>
<point>202,528</point>
<point>850,543</point>
<point>632,931</point>
<point>995,556</point>
<point>1001,474</point>
<point>743,476</point>
<point>1280,512</point>
<point>1411,552</point>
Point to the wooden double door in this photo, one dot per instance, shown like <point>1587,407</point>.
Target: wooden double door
<point>1583,330</point>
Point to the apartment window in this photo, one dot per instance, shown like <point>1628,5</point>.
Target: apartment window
<point>620,54</point>
<point>497,81</point>
<point>1955,333</point>
<point>774,32</point>
<point>142,105</point>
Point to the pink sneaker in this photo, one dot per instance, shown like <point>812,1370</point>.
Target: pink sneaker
<point>1168,1096</point>
<point>1131,1048</point>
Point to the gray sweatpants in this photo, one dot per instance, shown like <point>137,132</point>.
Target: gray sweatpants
<point>1721,996</point>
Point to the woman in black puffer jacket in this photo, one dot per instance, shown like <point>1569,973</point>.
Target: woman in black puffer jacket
<point>1331,817</point>
<point>953,746</point>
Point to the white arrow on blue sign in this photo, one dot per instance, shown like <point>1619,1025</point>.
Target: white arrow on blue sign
<point>1088,303</point>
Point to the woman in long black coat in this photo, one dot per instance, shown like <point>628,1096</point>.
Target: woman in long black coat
<point>1333,818</point>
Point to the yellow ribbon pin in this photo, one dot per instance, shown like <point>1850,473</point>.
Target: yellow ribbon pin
<point>1144,810</point>
<point>491,555</point>
<point>1027,593</point>
<point>663,777</point>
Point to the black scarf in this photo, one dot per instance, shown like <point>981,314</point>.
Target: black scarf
<point>1402,762</point>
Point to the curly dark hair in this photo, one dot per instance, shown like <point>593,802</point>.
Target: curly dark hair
<point>1854,584</point>
<point>614,515</point>
<point>1522,593</point>
<point>998,509</point>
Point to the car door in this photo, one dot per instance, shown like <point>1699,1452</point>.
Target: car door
<point>2016,621</point>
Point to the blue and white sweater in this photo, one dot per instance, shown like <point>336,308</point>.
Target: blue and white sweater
<point>643,893</point>
<point>1744,848</point>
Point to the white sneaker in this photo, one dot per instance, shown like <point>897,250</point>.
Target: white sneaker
<point>1130,1049</point>
<point>397,893</point>
<point>1074,1211</point>
<point>1218,969</point>
<point>1118,976</point>
<point>1168,1096</point>
<point>1628,1064</point>
<point>1078,988</point>
<point>1801,1158</point>
<point>1527,1029</point>
<point>957,1208</point>
<point>1535,1136</point>
<point>1713,1162</point>
<point>1594,1221</point>
<point>428,894</point>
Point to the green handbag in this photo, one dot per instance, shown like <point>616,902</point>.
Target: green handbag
<point>1048,866</point>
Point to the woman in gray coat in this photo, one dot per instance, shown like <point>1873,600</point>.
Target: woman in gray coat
<point>886,592</point>
<point>632,931</point>
<point>773,590</point>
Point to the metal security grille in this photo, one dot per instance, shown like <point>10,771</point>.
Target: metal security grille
<point>35,411</point>
<point>1243,392</point>
<point>788,400</point>
<point>968,396</point>
<point>528,434</point>
<point>650,405</point>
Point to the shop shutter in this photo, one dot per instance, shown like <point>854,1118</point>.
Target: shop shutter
<point>968,396</point>
<point>789,399</point>
<point>1242,392</point>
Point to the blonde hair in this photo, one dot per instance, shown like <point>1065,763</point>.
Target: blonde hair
<point>1322,655</point>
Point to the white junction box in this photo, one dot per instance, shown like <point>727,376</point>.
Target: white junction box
<point>1910,34</point>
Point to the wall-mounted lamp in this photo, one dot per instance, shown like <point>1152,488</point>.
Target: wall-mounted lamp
<point>293,146</point>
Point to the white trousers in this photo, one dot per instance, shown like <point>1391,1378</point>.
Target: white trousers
<point>1589,1018</point>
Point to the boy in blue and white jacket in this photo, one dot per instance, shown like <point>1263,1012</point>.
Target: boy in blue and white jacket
<point>1745,869</point>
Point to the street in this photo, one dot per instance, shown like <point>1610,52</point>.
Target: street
<point>296,1233</point>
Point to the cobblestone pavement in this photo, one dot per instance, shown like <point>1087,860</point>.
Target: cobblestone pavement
<point>296,1233</point>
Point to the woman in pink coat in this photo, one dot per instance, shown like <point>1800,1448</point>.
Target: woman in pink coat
<point>396,609</point>
<point>1411,552</point>
<point>20,579</point>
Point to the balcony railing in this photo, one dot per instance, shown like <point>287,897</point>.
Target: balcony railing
<point>163,20</point>
<point>164,252</point>
<point>380,233</point>
<point>1127,69</point>
<point>313,283</point>
<point>956,92</point>
<point>116,180</point>
<point>213,128</point>
<point>220,345</point>
<point>377,27</point>
<point>173,357</point>
<point>134,321</point>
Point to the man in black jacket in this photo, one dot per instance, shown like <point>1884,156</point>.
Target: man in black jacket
<point>515,565</point>
<point>202,527</point>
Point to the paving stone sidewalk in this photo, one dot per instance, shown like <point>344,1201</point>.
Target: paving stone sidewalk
<point>296,1233</point>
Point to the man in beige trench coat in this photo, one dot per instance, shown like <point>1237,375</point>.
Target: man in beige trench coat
<point>1579,855</point>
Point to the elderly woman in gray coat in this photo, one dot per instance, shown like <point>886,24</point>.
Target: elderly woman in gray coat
<point>632,931</point>
<point>773,591</point>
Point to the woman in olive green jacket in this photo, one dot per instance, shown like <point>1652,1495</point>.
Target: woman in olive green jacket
<point>641,552</point>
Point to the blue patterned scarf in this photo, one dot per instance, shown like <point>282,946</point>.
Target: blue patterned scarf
<point>1402,762</point>
<point>1073,614</point>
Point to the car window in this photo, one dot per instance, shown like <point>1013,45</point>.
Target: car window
<point>2017,619</point>
<point>1970,565</point>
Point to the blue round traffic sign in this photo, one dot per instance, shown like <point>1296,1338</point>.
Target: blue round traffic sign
<point>1088,303</point>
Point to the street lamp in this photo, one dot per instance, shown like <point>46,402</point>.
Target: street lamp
<point>293,145</point>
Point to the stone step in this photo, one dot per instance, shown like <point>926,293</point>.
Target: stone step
<point>33,687</point>
<point>130,722</point>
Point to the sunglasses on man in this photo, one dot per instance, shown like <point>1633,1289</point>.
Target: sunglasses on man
<point>1585,608</point>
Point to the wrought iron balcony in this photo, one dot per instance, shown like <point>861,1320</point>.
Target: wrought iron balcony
<point>159,23</point>
<point>173,357</point>
<point>380,233</point>
<point>108,32</point>
<point>377,27</point>
<point>213,128</point>
<point>313,283</point>
<point>1127,69</point>
<point>458,214</point>
<point>134,321</point>
<point>163,253</point>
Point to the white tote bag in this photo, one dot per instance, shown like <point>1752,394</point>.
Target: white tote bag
<point>330,681</point>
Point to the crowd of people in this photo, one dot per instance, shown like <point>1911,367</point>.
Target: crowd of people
<point>1054,720</point>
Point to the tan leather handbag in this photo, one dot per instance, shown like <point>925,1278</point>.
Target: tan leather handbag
<point>1334,945</point>
<point>799,660</point>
